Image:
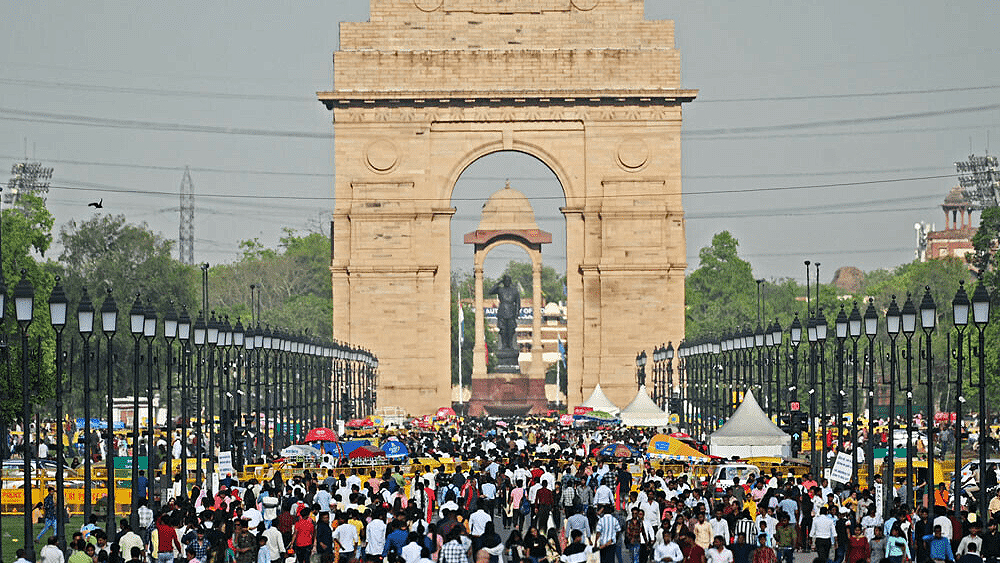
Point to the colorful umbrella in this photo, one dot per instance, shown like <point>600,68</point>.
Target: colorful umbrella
<point>445,412</point>
<point>618,450</point>
<point>394,449</point>
<point>358,423</point>
<point>365,452</point>
<point>321,435</point>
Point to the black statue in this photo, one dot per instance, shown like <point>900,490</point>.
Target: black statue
<point>507,312</point>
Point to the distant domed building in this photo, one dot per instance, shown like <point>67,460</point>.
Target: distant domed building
<point>956,238</point>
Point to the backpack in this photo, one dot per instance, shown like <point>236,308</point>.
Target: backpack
<point>525,507</point>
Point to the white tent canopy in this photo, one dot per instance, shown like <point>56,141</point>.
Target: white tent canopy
<point>750,433</point>
<point>600,402</point>
<point>642,411</point>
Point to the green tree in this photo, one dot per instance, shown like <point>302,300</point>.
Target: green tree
<point>468,334</point>
<point>722,293</point>
<point>521,275</point>
<point>293,282</point>
<point>27,231</point>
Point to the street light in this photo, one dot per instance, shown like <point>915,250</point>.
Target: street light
<point>137,320</point>
<point>149,333</point>
<point>909,327</point>
<point>960,318</point>
<point>928,321</point>
<point>821,330</point>
<point>841,331</point>
<point>854,328</point>
<point>981,317</point>
<point>640,368</point>
<point>200,332</point>
<point>184,334</point>
<point>170,322</point>
<point>24,300</point>
<point>85,322</point>
<point>57,316</point>
<point>871,330</point>
<point>893,323</point>
<point>109,325</point>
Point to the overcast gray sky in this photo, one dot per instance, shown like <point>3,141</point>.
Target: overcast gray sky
<point>772,75</point>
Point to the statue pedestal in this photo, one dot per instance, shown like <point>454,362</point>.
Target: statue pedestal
<point>507,394</point>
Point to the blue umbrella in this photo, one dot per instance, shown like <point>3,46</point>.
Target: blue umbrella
<point>394,449</point>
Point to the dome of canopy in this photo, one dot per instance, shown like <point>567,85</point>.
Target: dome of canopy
<point>956,197</point>
<point>507,209</point>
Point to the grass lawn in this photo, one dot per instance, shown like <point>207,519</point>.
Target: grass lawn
<point>13,530</point>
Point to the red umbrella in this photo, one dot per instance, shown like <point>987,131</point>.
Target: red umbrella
<point>357,422</point>
<point>366,452</point>
<point>321,435</point>
<point>445,412</point>
<point>680,435</point>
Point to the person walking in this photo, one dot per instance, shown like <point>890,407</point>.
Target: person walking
<point>49,511</point>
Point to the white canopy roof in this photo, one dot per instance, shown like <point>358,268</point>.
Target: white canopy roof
<point>642,411</point>
<point>600,402</point>
<point>749,432</point>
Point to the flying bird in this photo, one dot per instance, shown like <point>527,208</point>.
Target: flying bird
<point>97,204</point>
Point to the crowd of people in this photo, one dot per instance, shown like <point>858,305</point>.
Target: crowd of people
<point>529,493</point>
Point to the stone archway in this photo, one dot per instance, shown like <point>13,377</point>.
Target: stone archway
<point>426,87</point>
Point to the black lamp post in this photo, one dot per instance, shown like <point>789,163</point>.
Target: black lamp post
<point>893,322</point>
<point>85,321</point>
<point>213,395</point>
<point>821,330</point>
<point>909,327</point>
<point>137,319</point>
<point>184,335</point>
<point>960,317</point>
<point>640,369</point>
<point>109,325</point>
<point>24,300</point>
<point>840,331</point>
<point>200,332</point>
<point>170,322</point>
<point>149,333</point>
<point>58,304</point>
<point>928,321</point>
<point>813,425</point>
<point>668,384</point>
<point>794,339</point>
<point>871,330</point>
<point>854,328</point>
<point>981,317</point>
<point>774,368</point>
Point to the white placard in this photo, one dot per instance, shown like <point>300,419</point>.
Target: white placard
<point>841,471</point>
<point>226,463</point>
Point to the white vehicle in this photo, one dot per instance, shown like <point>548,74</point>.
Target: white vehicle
<point>726,473</point>
<point>970,474</point>
<point>899,438</point>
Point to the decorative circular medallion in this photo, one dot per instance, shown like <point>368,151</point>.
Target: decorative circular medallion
<point>585,5</point>
<point>632,154</point>
<point>431,5</point>
<point>382,155</point>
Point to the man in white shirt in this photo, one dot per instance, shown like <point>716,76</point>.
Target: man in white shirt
<point>275,543</point>
<point>720,526</point>
<point>477,522</point>
<point>668,551</point>
<point>824,533</point>
<point>51,552</point>
<point>346,536</point>
<point>375,534</point>
<point>603,495</point>
<point>718,552</point>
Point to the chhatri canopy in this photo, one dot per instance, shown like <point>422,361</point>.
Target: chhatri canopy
<point>642,411</point>
<point>750,433</point>
<point>600,402</point>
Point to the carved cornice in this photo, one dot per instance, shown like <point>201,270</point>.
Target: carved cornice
<point>490,114</point>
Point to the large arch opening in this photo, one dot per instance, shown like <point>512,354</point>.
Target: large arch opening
<point>480,178</point>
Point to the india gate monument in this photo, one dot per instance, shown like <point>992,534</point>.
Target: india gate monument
<point>424,89</point>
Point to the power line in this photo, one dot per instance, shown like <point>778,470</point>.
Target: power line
<point>849,95</point>
<point>13,114</point>
<point>535,198</point>
<point>480,177</point>
<point>153,91</point>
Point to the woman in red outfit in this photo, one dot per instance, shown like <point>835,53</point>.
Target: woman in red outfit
<point>857,546</point>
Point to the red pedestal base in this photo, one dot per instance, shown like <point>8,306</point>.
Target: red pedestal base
<point>507,394</point>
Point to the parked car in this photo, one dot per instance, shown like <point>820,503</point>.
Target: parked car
<point>726,473</point>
